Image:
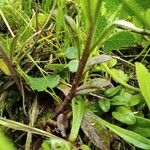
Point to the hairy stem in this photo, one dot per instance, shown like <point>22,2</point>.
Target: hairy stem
<point>82,63</point>
<point>86,52</point>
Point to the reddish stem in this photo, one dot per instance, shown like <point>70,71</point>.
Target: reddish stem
<point>78,76</point>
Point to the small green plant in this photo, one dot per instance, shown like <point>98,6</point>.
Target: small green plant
<point>72,62</point>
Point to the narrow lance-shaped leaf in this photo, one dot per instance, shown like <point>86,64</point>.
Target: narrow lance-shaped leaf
<point>143,77</point>
<point>78,110</point>
<point>93,85</point>
<point>131,137</point>
<point>97,133</point>
<point>141,127</point>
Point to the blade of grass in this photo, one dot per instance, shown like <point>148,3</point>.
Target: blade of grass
<point>33,114</point>
<point>22,127</point>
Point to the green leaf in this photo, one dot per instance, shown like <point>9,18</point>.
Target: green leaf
<point>146,15</point>
<point>71,53</point>
<point>145,4</point>
<point>78,111</point>
<point>120,74</point>
<point>117,79</point>
<point>111,5</point>
<point>24,34</point>
<point>121,99</point>
<point>110,92</point>
<point>104,104</point>
<point>141,127</point>
<point>124,115</point>
<point>2,3</point>
<point>85,147</point>
<point>5,144</point>
<point>141,130</point>
<point>110,63</point>
<point>73,65</point>
<point>56,145</point>
<point>4,67</point>
<point>140,121</point>
<point>135,99</point>
<point>118,41</point>
<point>42,83</point>
<point>143,77</point>
<point>131,137</point>
<point>55,66</point>
<point>42,17</point>
<point>71,23</point>
<point>135,10</point>
<point>26,128</point>
<point>101,24</point>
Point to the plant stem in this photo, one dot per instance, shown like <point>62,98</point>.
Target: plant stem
<point>86,52</point>
<point>82,63</point>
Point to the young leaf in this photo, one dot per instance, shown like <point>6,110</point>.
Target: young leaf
<point>124,115</point>
<point>104,104</point>
<point>42,83</point>
<point>119,40</point>
<point>71,23</point>
<point>135,99</point>
<point>123,99</point>
<point>71,53</point>
<point>78,110</point>
<point>73,65</point>
<point>110,92</point>
<point>143,77</point>
<point>131,137</point>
